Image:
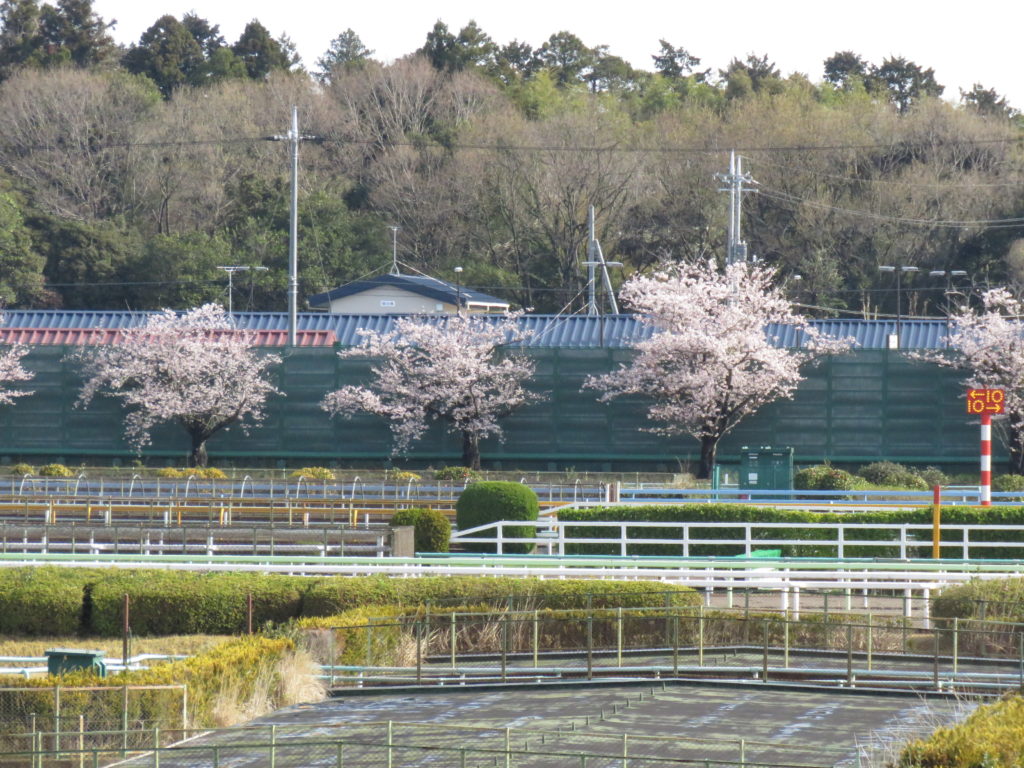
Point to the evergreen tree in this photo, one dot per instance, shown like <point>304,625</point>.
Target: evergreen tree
<point>260,53</point>
<point>168,54</point>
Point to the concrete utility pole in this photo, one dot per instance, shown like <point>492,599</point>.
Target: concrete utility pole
<point>595,259</point>
<point>294,137</point>
<point>735,181</point>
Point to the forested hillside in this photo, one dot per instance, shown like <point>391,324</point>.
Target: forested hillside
<point>129,175</point>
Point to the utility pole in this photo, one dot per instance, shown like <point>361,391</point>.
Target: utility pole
<point>293,137</point>
<point>231,270</point>
<point>595,259</point>
<point>735,181</point>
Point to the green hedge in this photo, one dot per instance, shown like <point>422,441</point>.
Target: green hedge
<point>328,597</point>
<point>432,531</point>
<point>53,601</point>
<point>184,603</point>
<point>491,501</point>
<point>42,601</point>
<point>720,513</point>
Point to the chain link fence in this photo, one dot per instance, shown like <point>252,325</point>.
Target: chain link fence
<point>89,717</point>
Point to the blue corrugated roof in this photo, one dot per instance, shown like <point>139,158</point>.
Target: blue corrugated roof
<point>565,331</point>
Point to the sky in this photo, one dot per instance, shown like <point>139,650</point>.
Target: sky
<point>965,43</point>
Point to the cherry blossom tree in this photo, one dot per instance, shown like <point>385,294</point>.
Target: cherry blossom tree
<point>12,370</point>
<point>710,361</point>
<point>195,369</point>
<point>989,345</point>
<point>456,370</point>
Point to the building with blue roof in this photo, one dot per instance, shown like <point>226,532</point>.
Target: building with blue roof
<point>397,294</point>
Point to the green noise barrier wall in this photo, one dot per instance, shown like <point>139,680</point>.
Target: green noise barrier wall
<point>864,406</point>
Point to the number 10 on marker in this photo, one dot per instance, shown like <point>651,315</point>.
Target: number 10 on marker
<point>985,402</point>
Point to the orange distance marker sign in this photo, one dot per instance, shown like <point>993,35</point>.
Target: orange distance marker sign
<point>990,401</point>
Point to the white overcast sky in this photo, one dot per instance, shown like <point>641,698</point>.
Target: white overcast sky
<point>965,42</point>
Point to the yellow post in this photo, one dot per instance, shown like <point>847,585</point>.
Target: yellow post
<point>936,519</point>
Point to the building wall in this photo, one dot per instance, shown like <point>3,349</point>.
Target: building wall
<point>865,406</point>
<point>389,300</point>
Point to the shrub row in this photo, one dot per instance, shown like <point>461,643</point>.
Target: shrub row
<point>242,670</point>
<point>47,601</point>
<point>720,513</point>
<point>393,631</point>
<point>991,737</point>
<point>998,599</point>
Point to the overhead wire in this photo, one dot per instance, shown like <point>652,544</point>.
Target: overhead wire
<point>786,197</point>
<point>948,184</point>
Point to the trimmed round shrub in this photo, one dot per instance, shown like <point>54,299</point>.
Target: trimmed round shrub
<point>171,473</point>
<point>891,474</point>
<point>823,478</point>
<point>210,473</point>
<point>432,529</point>
<point>458,475</point>
<point>21,468</point>
<point>490,501</point>
<point>55,470</point>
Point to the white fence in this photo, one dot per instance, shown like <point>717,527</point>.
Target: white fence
<point>911,539</point>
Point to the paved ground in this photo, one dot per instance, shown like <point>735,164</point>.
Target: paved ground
<point>658,726</point>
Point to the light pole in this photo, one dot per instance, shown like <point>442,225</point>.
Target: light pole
<point>231,273</point>
<point>949,275</point>
<point>458,289</point>
<point>898,271</point>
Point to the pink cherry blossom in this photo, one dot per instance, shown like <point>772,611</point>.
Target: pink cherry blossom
<point>456,370</point>
<point>710,362</point>
<point>195,369</point>
<point>989,345</point>
<point>12,370</point>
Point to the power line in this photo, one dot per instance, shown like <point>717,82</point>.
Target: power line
<point>786,197</point>
<point>608,148</point>
<point>888,182</point>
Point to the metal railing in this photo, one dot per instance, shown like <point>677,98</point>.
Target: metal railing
<point>375,540</point>
<point>838,649</point>
<point>625,538</point>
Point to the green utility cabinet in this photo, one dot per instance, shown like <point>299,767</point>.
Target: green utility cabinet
<point>60,661</point>
<point>766,468</point>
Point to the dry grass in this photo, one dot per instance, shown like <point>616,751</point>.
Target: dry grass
<point>184,645</point>
<point>296,682</point>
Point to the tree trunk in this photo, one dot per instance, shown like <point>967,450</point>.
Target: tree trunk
<point>470,450</point>
<point>198,458</point>
<point>708,450</point>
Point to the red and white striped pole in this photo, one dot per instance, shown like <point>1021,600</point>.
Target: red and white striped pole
<point>986,459</point>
